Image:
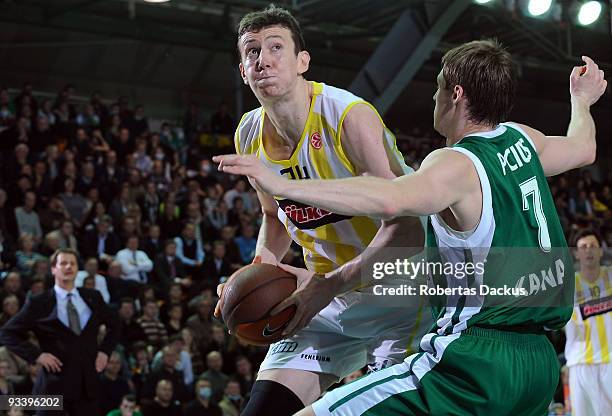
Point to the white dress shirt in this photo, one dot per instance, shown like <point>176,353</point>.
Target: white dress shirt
<point>100,282</point>
<point>61,296</point>
<point>133,263</point>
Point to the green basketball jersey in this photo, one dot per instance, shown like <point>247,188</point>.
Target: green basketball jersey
<point>519,244</point>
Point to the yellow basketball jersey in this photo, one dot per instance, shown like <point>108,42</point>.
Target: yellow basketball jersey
<point>589,332</point>
<point>328,240</point>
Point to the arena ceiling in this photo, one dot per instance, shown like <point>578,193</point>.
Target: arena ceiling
<point>185,49</point>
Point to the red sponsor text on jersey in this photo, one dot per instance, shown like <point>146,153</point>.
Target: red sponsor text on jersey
<point>305,214</point>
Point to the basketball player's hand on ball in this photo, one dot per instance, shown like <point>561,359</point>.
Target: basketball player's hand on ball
<point>587,82</point>
<point>260,177</point>
<point>313,293</point>
<point>265,256</point>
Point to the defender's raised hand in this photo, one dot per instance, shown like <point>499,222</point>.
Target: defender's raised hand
<point>587,82</point>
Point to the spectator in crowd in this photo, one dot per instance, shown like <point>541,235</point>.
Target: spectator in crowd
<point>123,146</point>
<point>202,405</point>
<point>52,217</point>
<point>153,244</point>
<point>232,400</point>
<point>113,387</point>
<point>6,385</point>
<point>142,160</point>
<point>119,206</point>
<point>87,179</point>
<point>218,380</point>
<point>221,121</point>
<point>134,263</point>
<point>183,363</point>
<point>189,346</point>
<point>152,327</point>
<point>17,366</point>
<point>101,242</point>
<point>174,323</point>
<point>12,286</point>
<point>110,175</point>
<point>169,222</point>
<point>167,371</point>
<point>25,383</point>
<point>189,250</point>
<point>244,375</point>
<point>27,219</point>
<point>139,124</point>
<point>140,362</point>
<point>37,286</point>
<point>118,287</point>
<point>201,322</point>
<point>173,296</point>
<point>131,331</point>
<point>169,269</point>
<point>238,191</point>
<point>150,204</point>
<point>217,265</point>
<point>65,235</point>
<point>10,306</point>
<point>126,408</point>
<point>50,244</point>
<point>75,204</point>
<point>129,226</point>
<point>26,256</point>
<point>91,270</point>
<point>41,181</point>
<point>164,402</point>
<point>246,243</point>
<point>232,252</point>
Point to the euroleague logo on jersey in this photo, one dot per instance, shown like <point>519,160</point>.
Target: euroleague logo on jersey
<point>315,140</point>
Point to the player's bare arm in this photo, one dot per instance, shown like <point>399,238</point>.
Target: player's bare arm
<point>450,173</point>
<point>559,154</point>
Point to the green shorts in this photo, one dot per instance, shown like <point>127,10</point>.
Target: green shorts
<point>475,372</point>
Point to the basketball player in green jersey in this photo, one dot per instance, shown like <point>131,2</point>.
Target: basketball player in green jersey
<point>305,129</point>
<point>486,189</point>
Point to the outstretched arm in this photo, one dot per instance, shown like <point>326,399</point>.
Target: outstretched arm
<point>438,184</point>
<point>559,154</point>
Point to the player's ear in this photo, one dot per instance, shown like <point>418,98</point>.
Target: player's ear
<point>303,62</point>
<point>458,93</point>
<point>243,73</point>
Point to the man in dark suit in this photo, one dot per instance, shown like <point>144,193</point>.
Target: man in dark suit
<point>216,266</point>
<point>66,321</point>
<point>168,269</point>
<point>101,243</point>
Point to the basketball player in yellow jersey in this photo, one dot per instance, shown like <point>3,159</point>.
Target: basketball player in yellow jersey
<point>589,332</point>
<point>309,130</point>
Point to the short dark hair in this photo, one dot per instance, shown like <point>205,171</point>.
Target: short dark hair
<point>59,251</point>
<point>485,70</point>
<point>585,232</point>
<point>272,16</point>
<point>126,300</point>
<point>129,398</point>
